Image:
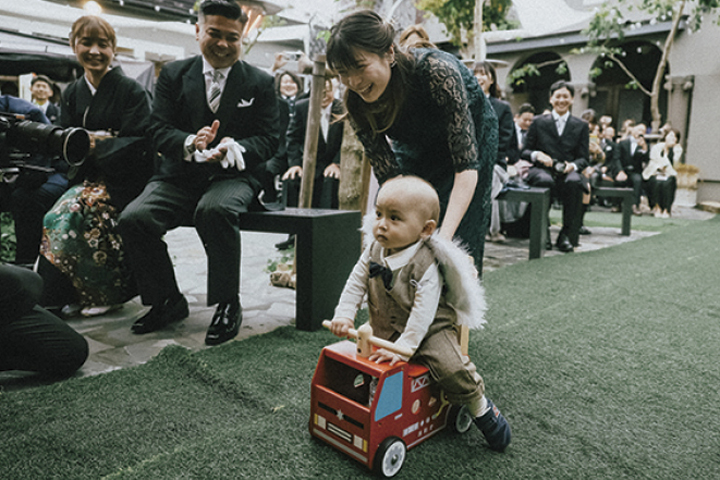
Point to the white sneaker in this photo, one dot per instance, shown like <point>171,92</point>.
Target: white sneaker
<point>97,311</point>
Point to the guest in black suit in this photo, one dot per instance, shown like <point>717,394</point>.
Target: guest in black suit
<point>41,88</point>
<point>632,156</point>
<point>557,144</point>
<point>267,171</point>
<point>327,163</point>
<point>215,119</point>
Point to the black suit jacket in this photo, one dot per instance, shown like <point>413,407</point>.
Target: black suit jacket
<point>248,113</point>
<point>53,113</point>
<point>627,162</point>
<point>327,152</point>
<point>506,131</point>
<point>571,146</point>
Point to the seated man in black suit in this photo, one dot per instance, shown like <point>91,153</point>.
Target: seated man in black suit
<point>557,145</point>
<point>214,120</point>
<point>631,157</point>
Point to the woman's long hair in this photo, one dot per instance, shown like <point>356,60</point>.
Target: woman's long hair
<point>487,69</point>
<point>367,31</point>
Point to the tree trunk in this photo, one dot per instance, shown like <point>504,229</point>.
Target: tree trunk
<point>354,173</point>
<point>660,73</point>
<point>478,43</point>
<point>312,131</point>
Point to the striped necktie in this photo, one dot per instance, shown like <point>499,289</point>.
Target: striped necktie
<point>215,92</point>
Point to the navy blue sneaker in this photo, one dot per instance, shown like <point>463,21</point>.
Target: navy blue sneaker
<point>495,428</point>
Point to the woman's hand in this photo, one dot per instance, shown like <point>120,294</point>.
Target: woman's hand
<point>460,197</point>
<point>292,172</point>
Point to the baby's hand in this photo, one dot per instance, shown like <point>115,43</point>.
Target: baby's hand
<point>381,355</point>
<point>340,326</point>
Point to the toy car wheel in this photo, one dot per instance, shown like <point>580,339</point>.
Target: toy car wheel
<point>460,418</point>
<point>390,457</point>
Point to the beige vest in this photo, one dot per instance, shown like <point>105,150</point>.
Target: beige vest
<point>389,309</point>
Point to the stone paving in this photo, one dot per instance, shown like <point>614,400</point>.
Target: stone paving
<point>113,346</point>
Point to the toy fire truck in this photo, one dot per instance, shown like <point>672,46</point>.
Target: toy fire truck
<point>375,412</point>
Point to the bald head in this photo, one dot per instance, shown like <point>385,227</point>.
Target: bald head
<point>414,194</point>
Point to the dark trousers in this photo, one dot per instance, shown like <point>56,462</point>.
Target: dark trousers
<point>31,338</point>
<point>29,204</point>
<point>635,181</point>
<point>214,208</point>
<point>661,192</point>
<point>325,192</point>
<point>569,189</point>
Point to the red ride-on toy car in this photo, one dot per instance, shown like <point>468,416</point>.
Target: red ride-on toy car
<point>375,412</point>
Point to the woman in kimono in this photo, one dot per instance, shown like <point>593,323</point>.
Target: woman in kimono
<point>82,259</point>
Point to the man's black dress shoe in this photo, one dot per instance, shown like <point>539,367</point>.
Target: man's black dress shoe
<point>159,316</point>
<point>564,245</point>
<point>584,230</point>
<point>289,243</point>
<point>548,244</point>
<point>225,324</point>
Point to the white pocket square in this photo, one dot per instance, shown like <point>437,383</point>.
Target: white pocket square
<point>245,103</point>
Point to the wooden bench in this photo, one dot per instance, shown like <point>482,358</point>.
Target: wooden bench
<point>539,200</point>
<point>627,203</point>
<point>328,246</point>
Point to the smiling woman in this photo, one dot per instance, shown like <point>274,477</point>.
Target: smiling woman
<point>430,106</point>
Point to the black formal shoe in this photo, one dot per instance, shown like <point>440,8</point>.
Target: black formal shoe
<point>584,231</point>
<point>289,243</point>
<point>162,315</point>
<point>564,245</point>
<point>225,324</point>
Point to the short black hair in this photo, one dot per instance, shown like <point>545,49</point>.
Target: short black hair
<point>526,107</point>
<point>562,84</point>
<point>224,8</point>
<point>42,78</point>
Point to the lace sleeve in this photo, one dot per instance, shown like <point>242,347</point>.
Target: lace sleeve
<point>448,91</point>
<point>378,150</point>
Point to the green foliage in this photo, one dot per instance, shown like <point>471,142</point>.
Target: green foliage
<point>458,15</point>
<point>288,256</point>
<point>518,76</point>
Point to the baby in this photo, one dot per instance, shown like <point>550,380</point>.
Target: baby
<point>420,289</point>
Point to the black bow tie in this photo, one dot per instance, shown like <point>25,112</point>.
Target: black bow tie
<point>384,272</point>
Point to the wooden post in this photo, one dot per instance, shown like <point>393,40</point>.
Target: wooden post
<point>311,132</point>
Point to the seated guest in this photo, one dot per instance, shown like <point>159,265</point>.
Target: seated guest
<point>327,159</point>
<point>631,157</point>
<point>557,144</point>
<point>83,261</point>
<point>210,142</point>
<point>34,192</point>
<point>660,176</point>
<point>31,338</point>
<point>42,90</point>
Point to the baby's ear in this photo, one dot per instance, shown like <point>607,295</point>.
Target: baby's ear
<point>428,228</point>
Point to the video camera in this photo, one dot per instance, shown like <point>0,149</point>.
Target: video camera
<point>19,138</point>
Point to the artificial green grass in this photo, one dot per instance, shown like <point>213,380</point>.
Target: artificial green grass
<point>605,364</point>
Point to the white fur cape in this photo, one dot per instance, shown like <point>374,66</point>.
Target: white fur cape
<point>463,293</point>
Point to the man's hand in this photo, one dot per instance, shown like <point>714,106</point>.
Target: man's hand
<point>381,355</point>
<point>621,177</point>
<point>220,154</point>
<point>292,172</point>
<point>545,159</point>
<point>206,135</point>
<point>332,171</point>
<point>340,326</point>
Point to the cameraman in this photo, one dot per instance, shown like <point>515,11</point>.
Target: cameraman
<point>34,192</point>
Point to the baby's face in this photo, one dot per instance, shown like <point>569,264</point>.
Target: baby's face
<point>398,224</point>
